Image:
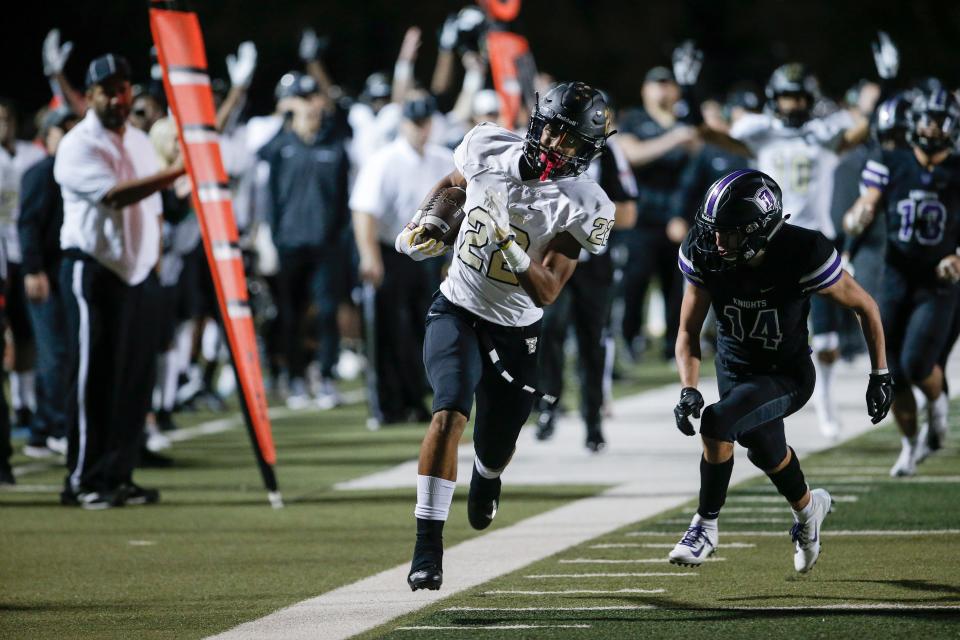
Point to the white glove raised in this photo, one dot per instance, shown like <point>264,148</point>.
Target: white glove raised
<point>687,61</point>
<point>948,269</point>
<point>240,67</point>
<point>886,56</point>
<point>449,33</point>
<point>311,45</point>
<point>411,242</point>
<point>55,55</point>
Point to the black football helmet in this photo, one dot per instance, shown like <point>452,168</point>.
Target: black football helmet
<point>892,119</point>
<point>575,112</point>
<point>748,202</point>
<point>934,121</point>
<point>795,80</point>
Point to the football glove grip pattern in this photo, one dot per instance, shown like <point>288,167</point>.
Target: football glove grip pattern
<point>691,403</point>
<point>879,396</point>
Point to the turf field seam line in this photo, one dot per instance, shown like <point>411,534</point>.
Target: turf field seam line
<point>626,561</point>
<point>826,532</point>
<point>501,627</point>
<point>579,576</point>
<point>523,592</point>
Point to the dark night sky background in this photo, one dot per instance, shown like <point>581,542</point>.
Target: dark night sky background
<point>610,43</point>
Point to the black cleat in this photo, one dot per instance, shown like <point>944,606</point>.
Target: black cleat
<point>428,577</point>
<point>546,425</point>
<point>134,494</point>
<point>483,500</point>
<point>595,442</point>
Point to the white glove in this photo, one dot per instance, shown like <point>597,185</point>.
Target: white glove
<point>949,269</point>
<point>886,56</point>
<point>495,215</point>
<point>449,33</point>
<point>311,46</point>
<point>411,243</point>
<point>55,55</point>
<point>687,61</point>
<point>240,67</point>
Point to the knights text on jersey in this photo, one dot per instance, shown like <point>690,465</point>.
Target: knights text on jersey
<point>479,280</point>
<point>801,160</point>
<point>922,208</point>
<point>762,311</point>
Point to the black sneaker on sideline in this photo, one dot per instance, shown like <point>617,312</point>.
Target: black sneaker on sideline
<point>137,495</point>
<point>483,500</point>
<point>595,441</point>
<point>100,500</point>
<point>546,424</point>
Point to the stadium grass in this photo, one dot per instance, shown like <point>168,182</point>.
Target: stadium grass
<point>739,596</point>
<point>212,554</point>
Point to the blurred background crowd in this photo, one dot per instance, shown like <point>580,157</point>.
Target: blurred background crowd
<point>328,155</point>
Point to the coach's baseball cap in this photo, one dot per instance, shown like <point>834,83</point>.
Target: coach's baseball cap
<point>420,108</point>
<point>296,85</point>
<point>57,117</point>
<point>107,66</point>
<point>659,74</point>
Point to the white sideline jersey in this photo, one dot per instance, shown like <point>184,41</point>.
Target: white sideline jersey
<point>479,280</point>
<point>801,160</point>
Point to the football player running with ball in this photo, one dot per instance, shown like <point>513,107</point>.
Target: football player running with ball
<point>917,190</point>
<point>529,211</point>
<point>758,274</point>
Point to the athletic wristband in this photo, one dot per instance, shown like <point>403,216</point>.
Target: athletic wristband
<point>515,257</point>
<point>879,372</point>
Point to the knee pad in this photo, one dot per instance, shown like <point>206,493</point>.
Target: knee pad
<point>766,446</point>
<point>709,424</point>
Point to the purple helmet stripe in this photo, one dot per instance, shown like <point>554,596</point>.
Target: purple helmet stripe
<point>710,210</point>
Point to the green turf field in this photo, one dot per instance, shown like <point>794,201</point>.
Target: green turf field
<point>751,590</point>
<point>213,554</point>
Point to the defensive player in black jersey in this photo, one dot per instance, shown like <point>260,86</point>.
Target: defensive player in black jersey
<point>758,273</point>
<point>915,193</point>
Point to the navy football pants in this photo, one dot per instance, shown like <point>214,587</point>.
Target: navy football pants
<point>458,368</point>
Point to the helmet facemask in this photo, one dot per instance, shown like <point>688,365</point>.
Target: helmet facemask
<point>563,152</point>
<point>753,241</point>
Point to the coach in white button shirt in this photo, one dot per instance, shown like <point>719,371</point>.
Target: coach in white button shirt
<point>110,179</point>
<point>388,189</point>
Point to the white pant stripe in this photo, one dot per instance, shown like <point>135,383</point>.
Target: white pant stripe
<point>82,373</point>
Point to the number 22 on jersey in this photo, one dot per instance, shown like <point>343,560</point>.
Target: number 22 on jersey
<point>473,253</point>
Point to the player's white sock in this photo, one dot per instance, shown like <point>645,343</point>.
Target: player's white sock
<point>938,409</point>
<point>710,524</point>
<point>434,496</point>
<point>23,390</point>
<point>823,399</point>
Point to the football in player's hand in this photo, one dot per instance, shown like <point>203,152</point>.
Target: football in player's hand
<point>443,215</point>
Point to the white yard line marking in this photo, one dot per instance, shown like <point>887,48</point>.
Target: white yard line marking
<point>779,500</point>
<point>888,479</point>
<point>498,627</point>
<point>621,607</point>
<point>29,488</point>
<point>629,561</point>
<point>846,471</point>
<point>785,509</point>
<point>34,467</point>
<point>686,521</point>
<point>517,592</point>
<point>141,543</point>
<point>664,545</point>
<point>851,488</point>
<point>826,532</point>
<point>650,574</point>
<point>866,606</point>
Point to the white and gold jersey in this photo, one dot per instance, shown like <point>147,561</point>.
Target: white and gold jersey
<point>479,280</point>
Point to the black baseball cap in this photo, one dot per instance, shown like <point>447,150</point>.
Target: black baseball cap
<point>106,67</point>
<point>296,84</point>
<point>420,108</point>
<point>57,118</point>
<point>659,74</point>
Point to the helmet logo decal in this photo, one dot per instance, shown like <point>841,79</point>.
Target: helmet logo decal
<point>764,200</point>
<point>710,210</point>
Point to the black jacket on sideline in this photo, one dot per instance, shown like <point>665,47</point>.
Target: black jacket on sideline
<point>41,216</point>
<point>308,189</point>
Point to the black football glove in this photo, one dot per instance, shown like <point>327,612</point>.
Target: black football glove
<point>691,402</point>
<point>879,396</point>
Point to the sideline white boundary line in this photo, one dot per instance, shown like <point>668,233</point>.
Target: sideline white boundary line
<point>826,532</point>
<point>521,592</point>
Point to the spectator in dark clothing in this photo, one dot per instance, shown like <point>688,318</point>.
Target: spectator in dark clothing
<point>308,212</point>
<point>655,141</point>
<point>6,472</point>
<point>41,216</point>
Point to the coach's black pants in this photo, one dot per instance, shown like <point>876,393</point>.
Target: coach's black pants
<point>650,253</point>
<point>585,302</point>
<point>310,275</point>
<point>458,367</point>
<point>111,367</point>
<point>401,304</point>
